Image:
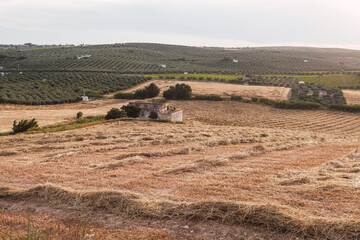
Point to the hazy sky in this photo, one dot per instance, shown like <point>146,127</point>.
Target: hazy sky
<point>328,23</point>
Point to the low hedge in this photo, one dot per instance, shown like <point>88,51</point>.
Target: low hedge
<point>236,98</point>
<point>290,104</point>
<point>124,96</point>
<point>209,98</point>
<point>346,108</point>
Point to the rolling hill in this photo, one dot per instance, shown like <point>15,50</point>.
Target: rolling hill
<point>141,58</point>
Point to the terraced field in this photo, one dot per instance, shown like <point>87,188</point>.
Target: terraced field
<point>233,171</point>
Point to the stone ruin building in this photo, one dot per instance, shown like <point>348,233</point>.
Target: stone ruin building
<point>164,111</point>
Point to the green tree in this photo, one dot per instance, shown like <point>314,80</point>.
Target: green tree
<point>148,92</point>
<point>24,125</point>
<point>79,115</point>
<point>180,91</point>
<point>115,113</point>
<point>131,111</point>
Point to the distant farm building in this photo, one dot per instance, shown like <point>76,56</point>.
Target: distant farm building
<point>162,65</point>
<point>301,82</point>
<point>185,72</point>
<point>2,74</point>
<point>164,111</point>
<point>235,60</point>
<point>246,79</point>
<point>1,67</point>
<point>306,61</point>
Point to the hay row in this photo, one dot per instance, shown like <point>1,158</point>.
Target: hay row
<point>271,216</point>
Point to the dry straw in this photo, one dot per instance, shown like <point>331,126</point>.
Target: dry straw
<point>270,216</point>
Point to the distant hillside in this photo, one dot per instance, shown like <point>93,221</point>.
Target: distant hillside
<point>142,58</point>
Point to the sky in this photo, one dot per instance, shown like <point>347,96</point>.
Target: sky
<point>222,23</point>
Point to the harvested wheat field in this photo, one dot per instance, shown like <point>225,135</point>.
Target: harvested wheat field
<point>52,114</point>
<point>223,89</point>
<point>232,171</point>
<point>352,96</point>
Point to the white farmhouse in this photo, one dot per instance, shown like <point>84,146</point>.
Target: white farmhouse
<point>162,65</point>
<point>306,61</point>
<point>235,60</point>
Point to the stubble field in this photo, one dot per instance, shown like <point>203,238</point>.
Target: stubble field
<point>223,89</point>
<point>233,171</point>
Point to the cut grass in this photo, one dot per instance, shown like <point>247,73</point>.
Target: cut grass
<point>270,216</point>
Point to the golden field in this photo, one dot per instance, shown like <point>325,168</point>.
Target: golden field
<point>352,96</point>
<point>223,89</point>
<point>232,171</point>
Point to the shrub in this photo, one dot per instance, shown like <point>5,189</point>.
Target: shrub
<point>236,98</point>
<point>79,115</point>
<point>153,115</point>
<point>24,125</point>
<point>115,113</point>
<point>265,101</point>
<point>255,99</point>
<point>180,91</point>
<point>131,111</point>
<point>124,96</point>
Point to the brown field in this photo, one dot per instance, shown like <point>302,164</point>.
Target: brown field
<point>233,171</point>
<point>223,89</point>
<point>352,96</point>
<point>52,114</point>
